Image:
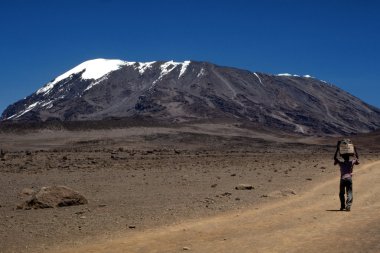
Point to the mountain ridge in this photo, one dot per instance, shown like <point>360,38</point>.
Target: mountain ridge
<point>191,90</point>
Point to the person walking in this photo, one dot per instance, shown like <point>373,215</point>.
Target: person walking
<point>346,170</point>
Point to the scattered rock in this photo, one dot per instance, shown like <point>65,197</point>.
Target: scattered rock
<point>3,155</point>
<point>64,158</point>
<point>233,174</point>
<point>22,167</point>
<point>237,199</point>
<point>131,226</point>
<point>244,187</point>
<point>288,192</point>
<point>226,194</point>
<point>186,248</point>
<point>28,152</point>
<point>53,196</point>
<point>208,200</point>
<point>213,185</point>
<point>309,179</point>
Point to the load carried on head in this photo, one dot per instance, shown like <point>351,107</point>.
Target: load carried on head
<point>346,147</point>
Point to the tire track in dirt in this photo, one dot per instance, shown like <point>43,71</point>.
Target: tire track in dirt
<point>308,222</point>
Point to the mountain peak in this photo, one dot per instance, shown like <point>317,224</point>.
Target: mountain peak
<point>92,69</point>
<point>171,91</point>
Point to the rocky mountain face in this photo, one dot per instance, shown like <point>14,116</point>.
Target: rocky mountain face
<point>195,91</point>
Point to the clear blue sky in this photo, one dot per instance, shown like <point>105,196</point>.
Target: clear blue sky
<point>336,41</point>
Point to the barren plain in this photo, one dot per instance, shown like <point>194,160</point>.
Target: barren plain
<point>150,184</point>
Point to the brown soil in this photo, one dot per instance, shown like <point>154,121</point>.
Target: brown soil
<point>305,223</point>
<point>146,181</point>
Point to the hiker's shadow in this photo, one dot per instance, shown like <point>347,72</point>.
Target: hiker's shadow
<point>333,210</point>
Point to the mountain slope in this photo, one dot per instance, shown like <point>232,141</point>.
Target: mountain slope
<point>190,91</point>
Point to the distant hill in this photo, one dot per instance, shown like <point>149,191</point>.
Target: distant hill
<point>193,91</point>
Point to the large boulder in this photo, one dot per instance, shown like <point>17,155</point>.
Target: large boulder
<point>26,192</point>
<point>53,196</point>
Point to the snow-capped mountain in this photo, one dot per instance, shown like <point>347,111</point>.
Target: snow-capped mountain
<point>171,91</point>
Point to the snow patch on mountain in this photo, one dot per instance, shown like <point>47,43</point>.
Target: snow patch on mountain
<point>95,69</point>
<point>185,64</point>
<point>165,68</point>
<point>287,74</point>
<point>258,77</point>
<point>29,108</point>
<point>168,67</point>
<point>201,73</point>
<point>48,104</point>
<point>92,69</point>
<point>291,75</point>
<point>95,83</point>
<point>143,66</point>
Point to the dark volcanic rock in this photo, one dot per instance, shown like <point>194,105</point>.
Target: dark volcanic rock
<point>54,196</point>
<point>3,155</point>
<point>195,91</point>
<point>244,187</point>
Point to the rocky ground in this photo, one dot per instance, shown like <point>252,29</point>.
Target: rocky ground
<point>136,179</point>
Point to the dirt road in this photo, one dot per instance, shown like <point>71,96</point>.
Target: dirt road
<point>307,222</point>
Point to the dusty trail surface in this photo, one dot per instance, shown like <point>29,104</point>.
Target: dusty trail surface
<point>307,222</point>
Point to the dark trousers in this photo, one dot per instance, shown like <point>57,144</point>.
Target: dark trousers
<point>345,186</point>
